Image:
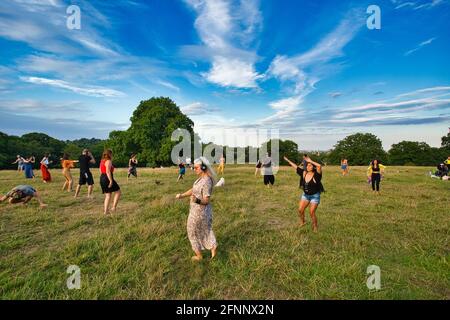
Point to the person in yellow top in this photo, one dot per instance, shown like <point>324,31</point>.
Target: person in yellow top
<point>67,164</point>
<point>374,172</point>
<point>221,166</point>
<point>447,163</point>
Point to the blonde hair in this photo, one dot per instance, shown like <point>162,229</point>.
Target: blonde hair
<point>107,154</point>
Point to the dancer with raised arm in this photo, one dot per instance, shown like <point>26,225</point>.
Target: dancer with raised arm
<point>311,183</point>
<point>221,167</point>
<point>28,167</point>
<point>67,164</point>
<point>181,170</point>
<point>19,161</point>
<point>199,224</point>
<point>46,176</point>
<point>85,160</point>
<point>132,166</point>
<point>344,167</point>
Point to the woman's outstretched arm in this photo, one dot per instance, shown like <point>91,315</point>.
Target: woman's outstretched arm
<point>292,164</point>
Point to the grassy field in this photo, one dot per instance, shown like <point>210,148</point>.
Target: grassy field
<point>142,251</point>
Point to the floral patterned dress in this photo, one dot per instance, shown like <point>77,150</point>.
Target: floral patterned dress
<point>199,223</point>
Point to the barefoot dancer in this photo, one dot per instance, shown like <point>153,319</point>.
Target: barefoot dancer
<point>132,166</point>
<point>374,172</point>
<point>28,167</point>
<point>267,171</point>
<point>107,182</point>
<point>46,176</point>
<point>199,224</point>
<point>19,161</point>
<point>85,160</point>
<point>67,164</point>
<point>344,166</point>
<point>221,166</point>
<point>181,171</point>
<point>310,181</point>
<point>23,194</point>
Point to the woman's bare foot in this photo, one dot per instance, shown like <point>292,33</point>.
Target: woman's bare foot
<point>43,205</point>
<point>315,230</point>
<point>213,252</point>
<point>302,224</point>
<point>196,258</point>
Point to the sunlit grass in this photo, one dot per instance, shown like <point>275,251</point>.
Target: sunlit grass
<point>142,251</point>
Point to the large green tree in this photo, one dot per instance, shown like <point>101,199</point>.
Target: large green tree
<point>359,149</point>
<point>149,135</point>
<point>287,148</point>
<point>445,142</point>
<point>412,153</point>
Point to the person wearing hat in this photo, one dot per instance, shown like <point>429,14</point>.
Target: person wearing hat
<point>86,158</point>
<point>199,224</point>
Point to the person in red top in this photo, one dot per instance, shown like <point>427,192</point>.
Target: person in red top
<point>107,182</point>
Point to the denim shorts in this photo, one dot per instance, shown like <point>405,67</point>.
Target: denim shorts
<point>314,198</point>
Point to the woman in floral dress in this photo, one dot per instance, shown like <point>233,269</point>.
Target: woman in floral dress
<point>199,224</point>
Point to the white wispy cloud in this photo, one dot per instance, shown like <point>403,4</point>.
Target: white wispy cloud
<point>419,106</point>
<point>335,94</point>
<point>168,85</point>
<point>33,106</point>
<point>304,70</point>
<point>406,4</point>
<point>198,108</point>
<point>42,25</point>
<point>232,72</point>
<point>226,28</point>
<point>426,90</point>
<point>419,46</point>
<point>429,4</point>
<point>416,5</point>
<point>88,91</point>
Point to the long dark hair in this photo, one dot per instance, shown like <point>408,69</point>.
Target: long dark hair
<point>373,163</point>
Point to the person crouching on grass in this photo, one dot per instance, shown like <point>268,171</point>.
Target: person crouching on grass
<point>199,224</point>
<point>107,182</point>
<point>23,194</point>
<point>311,183</point>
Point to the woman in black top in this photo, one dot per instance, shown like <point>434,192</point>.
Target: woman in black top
<point>374,172</point>
<point>311,183</point>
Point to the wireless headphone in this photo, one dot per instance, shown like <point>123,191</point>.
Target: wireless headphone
<point>203,167</point>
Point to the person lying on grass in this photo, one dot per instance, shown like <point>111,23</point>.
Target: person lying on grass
<point>310,182</point>
<point>22,194</point>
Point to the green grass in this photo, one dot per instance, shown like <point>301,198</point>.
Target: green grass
<point>142,251</point>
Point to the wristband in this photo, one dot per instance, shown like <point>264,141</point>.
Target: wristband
<point>198,201</point>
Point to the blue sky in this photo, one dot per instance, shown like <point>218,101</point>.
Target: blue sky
<point>310,70</point>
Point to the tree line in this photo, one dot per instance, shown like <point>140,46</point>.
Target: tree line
<point>154,120</point>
